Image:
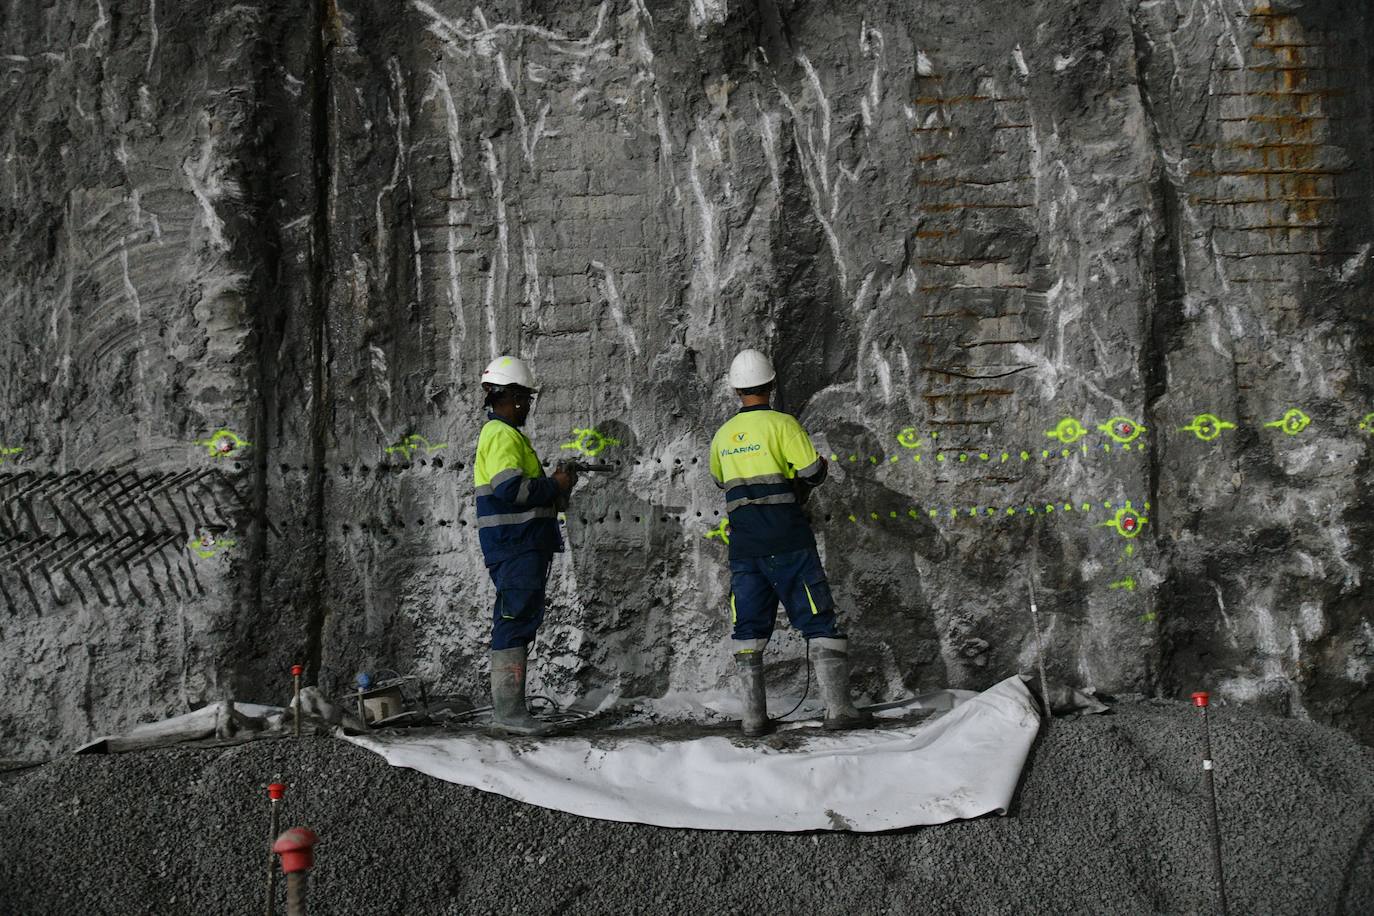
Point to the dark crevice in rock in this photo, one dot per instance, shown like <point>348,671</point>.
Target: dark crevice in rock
<point>263,186</point>
<point>1163,314</point>
<point>814,337</point>
<point>322,46</point>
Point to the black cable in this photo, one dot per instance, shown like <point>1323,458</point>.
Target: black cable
<point>540,696</point>
<point>805,691</point>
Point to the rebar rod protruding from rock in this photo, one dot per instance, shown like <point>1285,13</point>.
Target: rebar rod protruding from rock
<point>294,847</point>
<point>275,791</point>
<point>1201,700</point>
<point>296,671</point>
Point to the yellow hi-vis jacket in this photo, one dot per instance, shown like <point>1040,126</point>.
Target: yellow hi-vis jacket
<point>761,458</point>
<point>515,501</point>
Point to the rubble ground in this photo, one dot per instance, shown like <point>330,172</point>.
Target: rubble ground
<point>1109,819</point>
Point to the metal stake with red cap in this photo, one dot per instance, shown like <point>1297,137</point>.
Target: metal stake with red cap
<point>1201,700</point>
<point>296,672</point>
<point>294,847</point>
<point>275,791</point>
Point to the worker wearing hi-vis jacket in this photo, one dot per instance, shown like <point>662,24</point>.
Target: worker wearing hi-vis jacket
<point>517,525</point>
<point>766,464</point>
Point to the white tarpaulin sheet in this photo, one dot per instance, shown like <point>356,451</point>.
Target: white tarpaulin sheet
<point>965,763</point>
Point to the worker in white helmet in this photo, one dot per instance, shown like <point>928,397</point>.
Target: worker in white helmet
<point>517,525</point>
<point>766,464</point>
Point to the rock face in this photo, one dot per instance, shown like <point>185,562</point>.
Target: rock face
<point>1072,293</point>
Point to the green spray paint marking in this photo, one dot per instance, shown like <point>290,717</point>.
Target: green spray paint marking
<point>225,443</point>
<point>8,452</point>
<point>721,531</point>
<point>1367,424</point>
<point>207,545</point>
<point>1121,429</point>
<point>909,438</point>
<point>589,442</point>
<point>1207,426</point>
<point>1067,431</point>
<point>1127,522</point>
<point>412,444</point>
<point>1126,584</point>
<point>1291,423</point>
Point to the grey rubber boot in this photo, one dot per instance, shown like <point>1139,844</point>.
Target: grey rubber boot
<point>749,664</point>
<point>508,694</point>
<point>831,661</point>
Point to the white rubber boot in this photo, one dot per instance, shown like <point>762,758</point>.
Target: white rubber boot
<point>749,664</point>
<point>831,661</point>
<point>509,712</point>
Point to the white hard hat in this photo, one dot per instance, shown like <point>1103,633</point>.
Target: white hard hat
<point>750,369</point>
<point>508,370</point>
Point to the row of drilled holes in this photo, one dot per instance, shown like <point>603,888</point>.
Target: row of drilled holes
<point>346,470</point>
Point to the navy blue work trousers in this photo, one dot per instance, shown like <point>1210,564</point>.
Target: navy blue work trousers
<point>796,579</point>
<point>519,607</point>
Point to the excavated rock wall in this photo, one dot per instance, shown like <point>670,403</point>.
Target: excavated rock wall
<point>1071,292</point>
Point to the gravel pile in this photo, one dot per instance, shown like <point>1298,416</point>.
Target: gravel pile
<point>1109,820</point>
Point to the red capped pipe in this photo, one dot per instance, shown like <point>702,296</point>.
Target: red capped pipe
<point>294,847</point>
<point>1201,698</point>
<point>276,790</point>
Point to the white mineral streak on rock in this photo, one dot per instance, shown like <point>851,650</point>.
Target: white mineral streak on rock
<point>485,39</point>
<point>397,161</point>
<point>529,255</point>
<point>400,117</point>
<point>1313,620</point>
<point>500,261</point>
<point>207,184</point>
<point>380,378</point>
<point>137,212</point>
<point>705,12</point>
<point>457,192</point>
<point>101,20</point>
<point>768,133</point>
<point>871,45</point>
<point>1352,265</point>
<point>617,306</point>
<point>152,41</point>
<point>707,260</point>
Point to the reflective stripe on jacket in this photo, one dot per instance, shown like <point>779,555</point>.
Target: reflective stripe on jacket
<point>515,501</point>
<point>759,458</point>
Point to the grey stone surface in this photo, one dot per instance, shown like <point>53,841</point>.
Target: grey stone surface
<point>312,224</point>
<point>1109,820</point>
